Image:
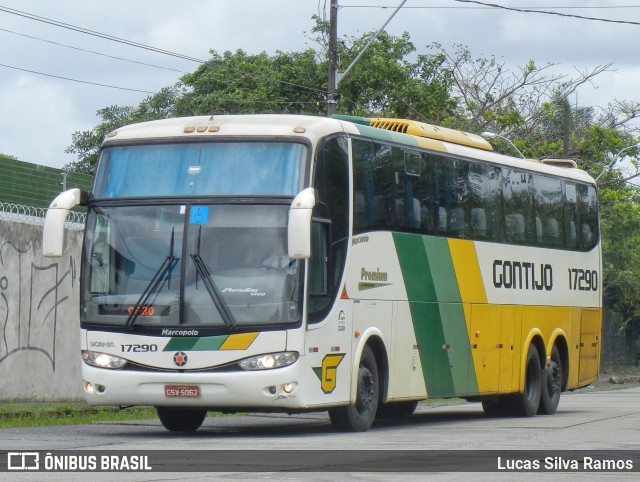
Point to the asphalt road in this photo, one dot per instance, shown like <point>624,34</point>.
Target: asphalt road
<point>588,421</point>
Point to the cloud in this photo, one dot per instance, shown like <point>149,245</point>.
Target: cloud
<point>34,120</point>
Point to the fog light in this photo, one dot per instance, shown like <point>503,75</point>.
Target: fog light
<point>88,387</point>
<point>289,388</point>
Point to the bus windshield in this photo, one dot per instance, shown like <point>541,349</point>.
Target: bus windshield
<point>199,168</point>
<point>206,265</point>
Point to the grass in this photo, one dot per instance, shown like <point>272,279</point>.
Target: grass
<point>21,415</point>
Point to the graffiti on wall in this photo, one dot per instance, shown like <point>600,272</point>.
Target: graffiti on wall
<point>31,295</point>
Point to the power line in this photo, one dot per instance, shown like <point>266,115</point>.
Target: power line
<point>442,7</point>
<point>97,34</point>
<point>568,15</point>
<point>126,42</point>
<point>75,80</point>
<point>91,51</point>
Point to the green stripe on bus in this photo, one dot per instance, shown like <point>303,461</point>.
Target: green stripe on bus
<point>437,313</point>
<point>416,270</point>
<point>195,344</point>
<point>425,313</point>
<point>180,343</point>
<point>439,256</point>
<point>209,343</point>
<point>389,136</point>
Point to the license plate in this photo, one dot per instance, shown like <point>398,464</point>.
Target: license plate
<point>182,391</point>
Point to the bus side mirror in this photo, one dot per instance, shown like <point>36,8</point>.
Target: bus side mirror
<point>299,229</point>
<point>53,233</point>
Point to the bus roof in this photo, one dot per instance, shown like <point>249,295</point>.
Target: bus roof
<point>400,131</point>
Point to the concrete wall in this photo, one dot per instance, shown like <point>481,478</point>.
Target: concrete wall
<point>39,316</point>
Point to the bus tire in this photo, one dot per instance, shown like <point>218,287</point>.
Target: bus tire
<point>359,417</point>
<point>551,384</point>
<point>181,419</point>
<point>397,409</point>
<point>526,403</point>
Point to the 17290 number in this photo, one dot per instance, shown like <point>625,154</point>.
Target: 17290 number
<point>583,279</point>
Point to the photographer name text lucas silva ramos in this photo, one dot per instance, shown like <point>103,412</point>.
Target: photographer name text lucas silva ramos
<point>582,464</point>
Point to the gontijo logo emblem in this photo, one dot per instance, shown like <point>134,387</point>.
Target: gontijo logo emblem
<point>328,371</point>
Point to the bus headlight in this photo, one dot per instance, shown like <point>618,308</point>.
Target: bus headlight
<point>269,361</point>
<point>102,360</point>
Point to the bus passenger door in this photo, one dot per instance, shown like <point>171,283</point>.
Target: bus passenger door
<point>328,354</point>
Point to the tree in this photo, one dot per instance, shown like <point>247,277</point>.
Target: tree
<point>86,144</point>
<point>383,83</point>
<point>514,103</point>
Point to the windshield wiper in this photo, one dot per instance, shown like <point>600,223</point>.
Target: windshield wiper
<point>212,289</point>
<point>214,292</point>
<point>168,264</point>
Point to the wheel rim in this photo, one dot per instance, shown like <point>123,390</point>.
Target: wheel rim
<point>366,391</point>
<point>554,378</point>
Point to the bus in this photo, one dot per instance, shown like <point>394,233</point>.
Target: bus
<point>283,263</point>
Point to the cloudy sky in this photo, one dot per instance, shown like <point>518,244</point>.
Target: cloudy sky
<point>41,48</point>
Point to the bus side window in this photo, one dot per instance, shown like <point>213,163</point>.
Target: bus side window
<point>588,216</point>
<point>520,224</point>
<point>548,205</point>
<point>572,220</point>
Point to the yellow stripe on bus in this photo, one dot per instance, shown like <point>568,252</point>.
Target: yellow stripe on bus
<point>241,341</point>
<point>467,268</point>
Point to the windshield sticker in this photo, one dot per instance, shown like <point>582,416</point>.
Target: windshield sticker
<point>199,215</point>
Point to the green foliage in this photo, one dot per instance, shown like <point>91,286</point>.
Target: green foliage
<point>240,83</point>
<point>384,82</point>
<point>620,226</point>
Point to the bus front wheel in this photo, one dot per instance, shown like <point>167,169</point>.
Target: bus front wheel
<point>359,417</point>
<point>181,419</point>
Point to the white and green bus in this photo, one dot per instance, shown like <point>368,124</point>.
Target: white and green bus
<point>291,263</point>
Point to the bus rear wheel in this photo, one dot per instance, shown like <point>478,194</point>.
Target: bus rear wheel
<point>181,419</point>
<point>359,417</point>
<point>551,384</point>
<point>526,403</point>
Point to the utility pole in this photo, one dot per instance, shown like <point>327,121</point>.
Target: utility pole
<point>566,121</point>
<point>335,77</point>
<point>332,89</point>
